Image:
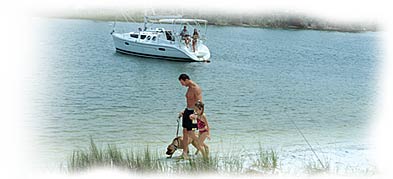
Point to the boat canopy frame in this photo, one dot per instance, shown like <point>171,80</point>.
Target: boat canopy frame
<point>179,21</point>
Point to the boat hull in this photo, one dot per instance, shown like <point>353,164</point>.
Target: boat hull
<point>168,51</point>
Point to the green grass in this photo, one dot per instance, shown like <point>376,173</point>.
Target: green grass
<point>148,161</point>
<point>315,167</point>
<point>145,161</point>
<point>267,160</point>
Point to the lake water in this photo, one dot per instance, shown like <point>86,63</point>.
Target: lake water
<point>258,81</point>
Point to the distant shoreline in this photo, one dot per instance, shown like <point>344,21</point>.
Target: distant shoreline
<point>267,20</point>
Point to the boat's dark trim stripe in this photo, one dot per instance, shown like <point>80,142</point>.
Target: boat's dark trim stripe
<point>154,56</point>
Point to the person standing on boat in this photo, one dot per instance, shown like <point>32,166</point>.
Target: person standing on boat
<point>185,35</point>
<point>194,94</point>
<point>195,37</point>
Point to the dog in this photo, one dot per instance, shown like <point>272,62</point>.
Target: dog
<point>177,143</point>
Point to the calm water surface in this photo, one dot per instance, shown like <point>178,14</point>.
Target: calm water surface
<point>258,81</point>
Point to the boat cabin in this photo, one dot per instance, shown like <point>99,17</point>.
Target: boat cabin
<point>153,35</point>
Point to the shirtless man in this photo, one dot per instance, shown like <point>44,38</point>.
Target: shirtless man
<point>194,93</point>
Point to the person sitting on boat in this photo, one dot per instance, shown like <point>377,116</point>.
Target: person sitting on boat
<point>195,37</point>
<point>185,36</point>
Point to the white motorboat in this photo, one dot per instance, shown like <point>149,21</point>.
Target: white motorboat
<point>158,42</point>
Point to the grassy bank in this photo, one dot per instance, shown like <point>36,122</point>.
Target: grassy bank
<point>278,20</point>
<point>146,161</point>
<point>263,162</point>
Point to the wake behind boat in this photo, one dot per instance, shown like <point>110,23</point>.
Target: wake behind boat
<point>169,44</point>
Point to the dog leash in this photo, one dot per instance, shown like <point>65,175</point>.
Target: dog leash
<point>178,123</point>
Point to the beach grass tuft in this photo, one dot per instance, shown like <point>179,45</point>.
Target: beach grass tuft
<point>316,167</point>
<point>266,161</point>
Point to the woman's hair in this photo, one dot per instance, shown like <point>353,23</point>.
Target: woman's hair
<point>199,104</point>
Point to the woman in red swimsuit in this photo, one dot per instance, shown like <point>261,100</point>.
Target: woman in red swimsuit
<point>203,125</point>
